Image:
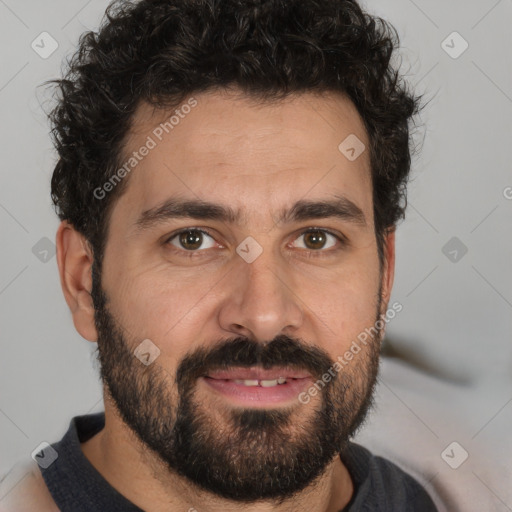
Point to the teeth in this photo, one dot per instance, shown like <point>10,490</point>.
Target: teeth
<point>247,382</point>
<point>262,383</point>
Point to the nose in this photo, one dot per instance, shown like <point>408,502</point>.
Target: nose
<point>261,302</point>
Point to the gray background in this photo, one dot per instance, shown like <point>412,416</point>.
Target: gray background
<point>451,374</point>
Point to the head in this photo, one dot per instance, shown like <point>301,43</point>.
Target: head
<point>209,205</point>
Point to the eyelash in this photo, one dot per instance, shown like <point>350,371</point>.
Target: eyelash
<point>311,252</point>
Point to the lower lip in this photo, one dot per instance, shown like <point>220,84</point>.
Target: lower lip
<point>258,395</point>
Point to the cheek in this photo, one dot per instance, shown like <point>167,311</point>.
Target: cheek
<point>342,307</point>
<point>164,306</point>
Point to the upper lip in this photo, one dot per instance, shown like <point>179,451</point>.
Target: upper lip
<point>258,374</point>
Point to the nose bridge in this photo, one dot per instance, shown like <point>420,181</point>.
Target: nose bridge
<point>261,303</point>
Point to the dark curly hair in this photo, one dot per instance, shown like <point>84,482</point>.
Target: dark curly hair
<point>161,51</point>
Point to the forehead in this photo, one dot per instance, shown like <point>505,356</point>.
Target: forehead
<point>254,156</point>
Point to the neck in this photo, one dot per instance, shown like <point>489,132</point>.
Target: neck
<point>141,477</point>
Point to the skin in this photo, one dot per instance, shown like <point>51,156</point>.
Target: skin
<point>261,159</point>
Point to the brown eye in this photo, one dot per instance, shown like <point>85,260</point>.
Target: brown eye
<point>191,240</point>
<point>317,239</point>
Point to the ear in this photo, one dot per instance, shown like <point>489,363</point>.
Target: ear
<point>75,259</point>
<point>388,267</point>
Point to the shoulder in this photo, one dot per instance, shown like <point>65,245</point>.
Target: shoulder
<point>23,490</point>
<point>385,482</point>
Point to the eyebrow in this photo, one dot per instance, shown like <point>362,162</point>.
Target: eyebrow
<point>174,208</point>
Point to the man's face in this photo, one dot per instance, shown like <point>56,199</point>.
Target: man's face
<point>230,298</point>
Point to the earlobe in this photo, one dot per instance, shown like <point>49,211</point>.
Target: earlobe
<point>75,259</point>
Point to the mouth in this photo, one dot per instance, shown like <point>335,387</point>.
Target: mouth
<point>258,387</point>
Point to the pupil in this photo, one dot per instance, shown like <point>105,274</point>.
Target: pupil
<point>317,239</point>
<point>191,238</point>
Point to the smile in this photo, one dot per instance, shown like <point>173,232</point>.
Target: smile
<point>257,387</point>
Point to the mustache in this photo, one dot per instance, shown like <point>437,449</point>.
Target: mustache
<point>282,351</point>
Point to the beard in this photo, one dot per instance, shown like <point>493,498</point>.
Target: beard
<point>248,454</point>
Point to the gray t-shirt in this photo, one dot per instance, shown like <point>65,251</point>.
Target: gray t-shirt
<point>76,486</point>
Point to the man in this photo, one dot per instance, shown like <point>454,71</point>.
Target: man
<point>229,180</point>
